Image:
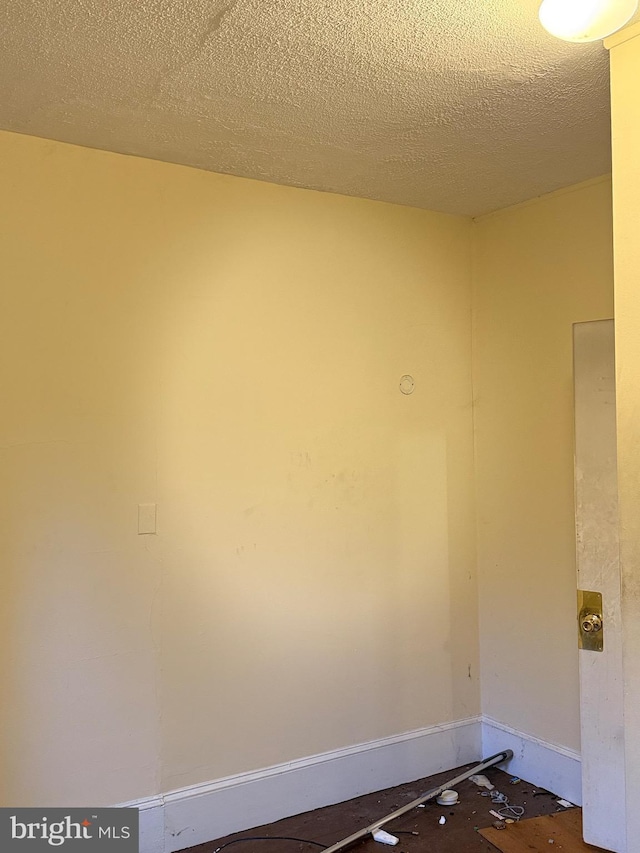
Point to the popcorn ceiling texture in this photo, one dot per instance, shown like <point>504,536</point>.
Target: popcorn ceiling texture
<point>461,106</point>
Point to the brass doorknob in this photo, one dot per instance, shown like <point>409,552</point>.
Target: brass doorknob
<point>591,623</point>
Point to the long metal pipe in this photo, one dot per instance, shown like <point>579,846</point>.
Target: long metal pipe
<point>498,758</point>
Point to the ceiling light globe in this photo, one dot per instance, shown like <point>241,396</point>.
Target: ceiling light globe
<point>585,20</point>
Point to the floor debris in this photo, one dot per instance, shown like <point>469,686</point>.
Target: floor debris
<point>448,798</point>
<point>459,834</point>
<point>481,781</point>
<point>384,837</point>
<point>490,762</point>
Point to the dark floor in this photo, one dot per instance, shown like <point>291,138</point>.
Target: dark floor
<point>458,835</point>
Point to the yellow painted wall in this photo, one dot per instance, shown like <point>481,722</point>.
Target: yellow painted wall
<point>539,267</point>
<point>232,351</point>
<point>625,119</point>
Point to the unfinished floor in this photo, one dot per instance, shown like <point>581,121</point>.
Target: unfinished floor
<point>459,834</point>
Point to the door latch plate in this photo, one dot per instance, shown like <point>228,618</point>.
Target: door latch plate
<point>590,621</point>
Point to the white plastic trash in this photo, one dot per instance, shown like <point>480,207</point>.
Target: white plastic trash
<point>384,837</point>
<point>482,782</point>
<point>448,798</point>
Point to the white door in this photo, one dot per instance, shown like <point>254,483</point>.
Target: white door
<point>601,686</point>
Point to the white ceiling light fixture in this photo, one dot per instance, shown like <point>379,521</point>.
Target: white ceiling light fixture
<point>585,20</point>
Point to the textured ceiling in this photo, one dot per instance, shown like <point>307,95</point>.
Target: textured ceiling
<point>462,106</point>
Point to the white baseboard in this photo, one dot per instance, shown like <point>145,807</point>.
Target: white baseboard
<point>545,764</point>
<point>152,830</point>
<point>200,813</point>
